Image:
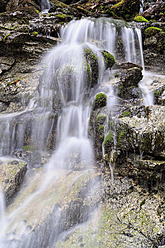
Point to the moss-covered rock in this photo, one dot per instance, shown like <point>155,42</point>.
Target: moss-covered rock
<point>92,66</point>
<point>126,9</point>
<point>140,18</point>
<point>151,31</point>
<point>128,85</point>
<point>108,59</point>
<point>100,101</point>
<point>109,142</point>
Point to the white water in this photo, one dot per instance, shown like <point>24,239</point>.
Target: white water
<point>45,5</point>
<point>65,71</point>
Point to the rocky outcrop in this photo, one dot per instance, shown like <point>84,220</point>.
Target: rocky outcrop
<point>126,9</point>
<point>155,12</point>
<point>128,217</point>
<point>11,176</point>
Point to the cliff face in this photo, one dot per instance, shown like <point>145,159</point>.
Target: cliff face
<point>129,138</point>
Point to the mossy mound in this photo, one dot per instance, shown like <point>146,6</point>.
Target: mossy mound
<point>100,101</point>
<point>151,31</point>
<point>139,18</point>
<point>92,66</point>
<point>108,59</point>
<point>126,9</point>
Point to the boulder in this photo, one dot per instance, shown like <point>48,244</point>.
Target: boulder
<point>125,9</point>
<point>128,85</point>
<point>144,134</point>
<point>12,172</point>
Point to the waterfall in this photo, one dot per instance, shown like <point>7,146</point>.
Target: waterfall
<point>65,80</point>
<point>45,5</point>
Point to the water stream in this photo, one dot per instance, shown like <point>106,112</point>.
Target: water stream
<point>65,80</point>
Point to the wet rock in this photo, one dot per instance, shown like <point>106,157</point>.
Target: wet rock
<point>97,129</point>
<point>143,135</point>
<point>100,101</point>
<point>70,204</point>
<point>92,67</point>
<point>127,217</point>
<point>126,9</point>
<point>155,11</point>
<point>64,9</point>
<point>12,173</point>
<point>6,63</point>
<point>108,59</point>
<point>128,85</point>
<point>28,7</point>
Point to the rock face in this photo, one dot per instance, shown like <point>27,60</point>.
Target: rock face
<point>155,11</point>
<point>57,211</point>
<point>12,173</point>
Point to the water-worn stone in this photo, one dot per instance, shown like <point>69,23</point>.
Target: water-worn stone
<point>128,85</point>
<point>12,173</point>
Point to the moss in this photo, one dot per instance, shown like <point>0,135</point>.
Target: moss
<point>100,101</point>
<point>61,16</point>
<point>108,59</point>
<point>151,31</point>
<point>117,75</point>
<point>109,141</point>
<point>28,147</point>
<point>35,33</point>
<point>6,37</point>
<point>126,9</point>
<point>92,66</point>
<point>101,128</point>
<point>124,114</point>
<point>139,18</point>
<point>100,117</point>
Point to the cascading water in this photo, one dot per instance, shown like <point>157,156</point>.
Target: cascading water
<point>65,80</point>
<point>45,5</point>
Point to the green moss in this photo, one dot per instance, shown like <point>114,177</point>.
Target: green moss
<point>109,59</point>
<point>28,147</point>
<point>151,31</point>
<point>100,101</point>
<point>117,75</point>
<point>35,33</point>
<point>61,16</point>
<point>124,114</point>
<point>6,37</point>
<point>139,18</point>
<point>101,127</point>
<point>100,117</point>
<point>125,9</point>
<point>109,138</point>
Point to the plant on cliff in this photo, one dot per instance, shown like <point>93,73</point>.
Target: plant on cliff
<point>100,101</point>
<point>108,59</point>
<point>139,18</point>
<point>151,31</point>
<point>126,9</point>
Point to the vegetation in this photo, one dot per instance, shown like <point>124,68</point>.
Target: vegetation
<point>151,31</point>
<point>109,59</point>
<point>139,18</point>
<point>100,100</point>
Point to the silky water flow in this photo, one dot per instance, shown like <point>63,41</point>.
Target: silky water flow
<point>64,80</point>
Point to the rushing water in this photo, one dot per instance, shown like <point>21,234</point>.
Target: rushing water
<point>65,79</point>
